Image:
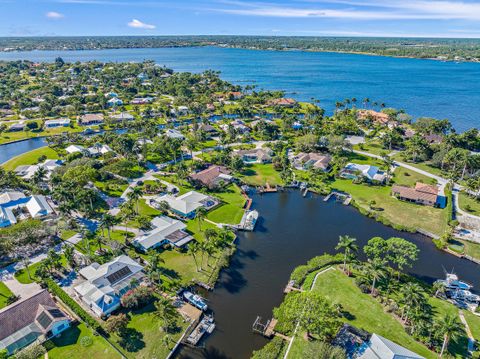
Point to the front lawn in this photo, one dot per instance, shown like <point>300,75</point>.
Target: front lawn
<point>260,174</point>
<point>30,158</point>
<point>408,178</point>
<point>22,274</point>
<point>79,342</point>
<point>5,293</point>
<point>112,188</point>
<point>469,204</point>
<point>231,209</point>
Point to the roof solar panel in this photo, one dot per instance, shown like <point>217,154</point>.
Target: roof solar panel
<point>44,320</point>
<point>119,275</point>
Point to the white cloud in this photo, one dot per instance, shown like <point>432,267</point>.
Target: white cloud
<point>140,25</point>
<point>54,15</point>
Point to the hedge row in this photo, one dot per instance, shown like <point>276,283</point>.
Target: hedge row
<point>74,306</point>
<point>301,272</point>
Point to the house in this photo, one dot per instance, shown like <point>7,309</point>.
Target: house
<point>378,117</point>
<point>208,129</point>
<point>114,101</point>
<point>211,177</point>
<point>282,102</point>
<point>187,204</point>
<point>238,125</point>
<point>369,172</point>
<point>111,94</point>
<point>433,139</point>
<point>91,119</point>
<point>181,111</point>
<point>36,318</point>
<point>141,100</point>
<point>15,205</point>
<point>75,148</point>
<point>174,134</point>
<point>256,155</point>
<point>27,171</point>
<point>98,150</point>
<point>422,194</point>
<point>304,161</point>
<point>59,122</point>
<point>105,284</point>
<point>234,95</point>
<point>379,347</point>
<point>165,230</point>
<point>124,116</point>
<point>19,126</point>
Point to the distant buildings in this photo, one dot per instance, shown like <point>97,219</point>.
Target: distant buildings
<point>113,102</point>
<point>105,284</point>
<point>378,117</point>
<point>93,151</point>
<point>255,155</point>
<point>28,171</point>
<point>16,206</point>
<point>19,126</point>
<point>165,230</point>
<point>282,102</point>
<point>59,122</point>
<point>187,204</point>
<point>212,177</point>
<point>123,116</point>
<point>171,133</point>
<point>90,119</point>
<point>141,100</point>
<point>36,318</point>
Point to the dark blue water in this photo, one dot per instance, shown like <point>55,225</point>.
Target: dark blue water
<point>11,150</point>
<point>421,87</point>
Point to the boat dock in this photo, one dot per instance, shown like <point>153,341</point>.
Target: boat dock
<point>206,325</point>
<point>340,196</point>
<point>249,220</point>
<point>267,189</point>
<point>267,329</point>
<point>291,287</point>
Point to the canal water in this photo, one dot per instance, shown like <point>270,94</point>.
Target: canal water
<point>10,150</point>
<point>293,229</point>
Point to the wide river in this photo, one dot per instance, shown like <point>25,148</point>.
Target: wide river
<point>292,230</point>
<point>421,87</point>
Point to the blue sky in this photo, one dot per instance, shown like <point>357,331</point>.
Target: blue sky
<point>423,18</point>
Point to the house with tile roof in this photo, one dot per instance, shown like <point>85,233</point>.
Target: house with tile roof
<point>36,318</point>
<point>212,177</point>
<point>422,193</point>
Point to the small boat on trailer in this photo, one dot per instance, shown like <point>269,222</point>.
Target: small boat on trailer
<point>195,300</point>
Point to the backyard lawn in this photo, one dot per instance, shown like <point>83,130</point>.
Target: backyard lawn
<point>398,212</point>
<point>260,175</point>
<point>368,314</point>
<point>71,345</point>
<point>4,294</point>
<point>231,211</point>
<point>30,158</point>
<point>469,204</point>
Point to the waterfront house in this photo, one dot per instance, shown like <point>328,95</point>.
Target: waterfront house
<point>305,161</point>
<point>74,149</point>
<point>377,117</point>
<point>36,318</point>
<point>105,284</point>
<point>379,347</point>
<point>59,122</point>
<point>171,133</point>
<point>368,172</point>
<point>98,150</point>
<point>165,230</point>
<point>15,205</point>
<point>433,138</point>
<point>19,126</point>
<point>28,171</point>
<point>90,119</point>
<point>212,177</point>
<point>208,129</point>
<point>187,204</point>
<point>238,125</point>
<point>421,194</point>
<point>282,102</point>
<point>123,116</point>
<point>255,155</point>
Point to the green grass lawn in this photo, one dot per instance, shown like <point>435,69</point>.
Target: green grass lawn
<point>423,165</point>
<point>473,322</point>
<point>470,248</point>
<point>144,210</point>
<point>113,188</point>
<point>372,147</point>
<point>30,158</point>
<point>469,204</point>
<point>260,175</point>
<point>368,314</point>
<point>4,294</point>
<point>22,274</point>
<point>408,214</point>
<point>146,335</point>
<point>231,211</point>
<point>67,233</point>
<point>68,345</point>
<point>406,177</point>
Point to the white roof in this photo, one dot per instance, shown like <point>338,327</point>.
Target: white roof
<point>371,172</point>
<point>27,172</point>
<point>60,121</point>
<point>186,203</point>
<point>7,197</point>
<point>74,148</point>
<point>174,134</point>
<point>99,273</point>
<point>163,226</point>
<point>38,206</point>
<point>382,348</point>
<point>99,150</point>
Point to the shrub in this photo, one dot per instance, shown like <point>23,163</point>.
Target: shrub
<point>86,341</point>
<point>272,350</point>
<point>137,297</point>
<point>300,273</point>
<point>31,352</point>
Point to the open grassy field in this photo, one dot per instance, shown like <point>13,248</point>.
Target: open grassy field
<point>30,158</point>
<point>231,210</point>
<point>469,204</point>
<point>260,175</point>
<point>4,294</point>
<point>145,335</point>
<point>68,345</point>
<point>22,274</point>
<point>367,313</point>
<point>408,214</point>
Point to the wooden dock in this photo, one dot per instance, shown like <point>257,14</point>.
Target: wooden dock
<point>270,330</point>
<point>267,329</point>
<point>291,287</point>
<point>268,189</point>
<point>344,197</point>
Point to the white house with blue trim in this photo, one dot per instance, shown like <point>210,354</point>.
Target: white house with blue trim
<point>16,206</point>
<point>165,230</point>
<point>187,204</point>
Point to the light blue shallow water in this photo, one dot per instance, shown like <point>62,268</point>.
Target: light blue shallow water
<point>421,87</point>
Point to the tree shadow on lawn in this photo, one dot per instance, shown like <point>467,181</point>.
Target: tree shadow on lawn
<point>68,337</point>
<point>132,340</point>
<point>249,172</point>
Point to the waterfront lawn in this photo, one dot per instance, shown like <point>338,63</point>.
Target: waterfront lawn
<point>68,345</point>
<point>364,311</point>
<point>410,215</point>
<point>471,249</point>
<point>30,158</point>
<point>144,339</point>
<point>469,204</point>
<point>473,322</point>
<point>231,209</point>
<point>260,174</point>
<point>5,293</point>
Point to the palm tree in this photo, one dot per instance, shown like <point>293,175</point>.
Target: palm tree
<point>134,195</point>
<point>166,312</point>
<point>450,327</point>
<point>412,296</point>
<point>193,248</point>
<point>349,245</point>
<point>201,213</point>
<point>374,270</point>
<point>107,222</point>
